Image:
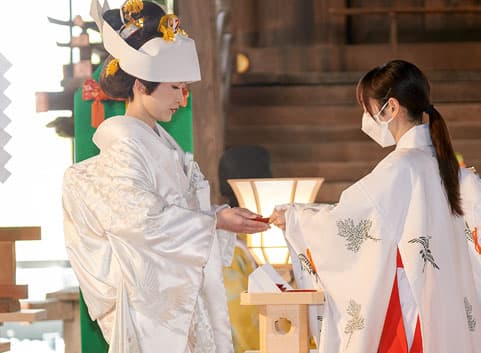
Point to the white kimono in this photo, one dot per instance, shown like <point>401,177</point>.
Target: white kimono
<point>471,195</point>
<point>141,238</point>
<point>353,246</point>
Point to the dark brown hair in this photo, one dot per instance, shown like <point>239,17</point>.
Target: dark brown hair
<point>405,82</point>
<point>120,85</point>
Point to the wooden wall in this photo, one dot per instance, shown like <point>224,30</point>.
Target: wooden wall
<point>285,22</point>
<point>207,110</point>
<point>285,37</point>
<point>415,27</point>
<point>298,97</point>
<point>282,22</point>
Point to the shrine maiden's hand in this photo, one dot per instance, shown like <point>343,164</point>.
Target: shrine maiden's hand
<point>278,218</point>
<point>240,220</point>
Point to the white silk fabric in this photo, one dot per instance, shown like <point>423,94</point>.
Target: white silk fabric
<point>141,237</point>
<point>471,197</point>
<point>400,204</point>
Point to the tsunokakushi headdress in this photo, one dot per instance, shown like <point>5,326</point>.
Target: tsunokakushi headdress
<point>171,57</point>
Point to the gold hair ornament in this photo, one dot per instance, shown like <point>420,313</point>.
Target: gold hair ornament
<point>112,67</point>
<point>132,7</point>
<point>131,27</point>
<point>169,26</point>
<point>131,23</point>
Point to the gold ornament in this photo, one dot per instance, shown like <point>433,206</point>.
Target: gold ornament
<point>139,23</point>
<point>112,67</point>
<point>131,27</point>
<point>169,26</point>
<point>168,34</point>
<point>133,7</point>
<point>182,32</point>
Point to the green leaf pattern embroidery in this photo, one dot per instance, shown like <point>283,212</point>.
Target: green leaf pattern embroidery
<point>468,232</point>
<point>355,234</point>
<point>356,322</point>
<point>469,315</point>
<point>425,252</point>
<point>307,266</point>
<point>320,320</point>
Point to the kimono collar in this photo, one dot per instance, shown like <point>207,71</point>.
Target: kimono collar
<point>415,137</point>
<point>166,138</point>
<point>119,127</point>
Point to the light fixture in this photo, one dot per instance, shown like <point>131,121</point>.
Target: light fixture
<point>242,63</point>
<point>261,196</point>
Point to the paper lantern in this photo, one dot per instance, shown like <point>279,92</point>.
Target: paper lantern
<point>261,196</point>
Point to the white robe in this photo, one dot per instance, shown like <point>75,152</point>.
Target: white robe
<point>141,238</point>
<point>471,196</point>
<point>400,204</point>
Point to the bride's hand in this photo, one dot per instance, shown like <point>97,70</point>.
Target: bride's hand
<point>240,220</point>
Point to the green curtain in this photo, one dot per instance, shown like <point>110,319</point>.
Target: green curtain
<point>180,127</point>
<point>181,130</point>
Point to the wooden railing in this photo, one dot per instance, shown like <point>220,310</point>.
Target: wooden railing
<point>4,346</point>
<point>393,14</point>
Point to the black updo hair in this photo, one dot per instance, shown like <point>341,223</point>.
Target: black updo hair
<point>120,85</point>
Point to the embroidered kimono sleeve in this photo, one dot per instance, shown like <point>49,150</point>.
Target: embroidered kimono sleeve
<point>349,250</point>
<point>227,241</point>
<point>226,244</point>
<point>122,197</point>
<point>335,235</point>
<point>471,200</point>
<point>343,249</point>
<point>160,245</point>
<point>90,253</point>
<point>371,210</point>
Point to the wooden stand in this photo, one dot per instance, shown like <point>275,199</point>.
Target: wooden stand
<point>10,292</point>
<point>283,321</point>
<point>68,310</point>
<point>62,305</point>
<point>4,346</point>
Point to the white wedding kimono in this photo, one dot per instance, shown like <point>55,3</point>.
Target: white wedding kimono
<point>141,238</point>
<point>353,246</point>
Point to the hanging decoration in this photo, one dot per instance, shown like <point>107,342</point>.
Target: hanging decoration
<point>91,91</point>
<point>4,120</point>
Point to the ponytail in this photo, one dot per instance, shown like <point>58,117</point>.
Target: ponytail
<point>447,162</point>
<point>408,84</point>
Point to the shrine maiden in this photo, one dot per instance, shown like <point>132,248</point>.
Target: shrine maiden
<point>143,239</point>
<point>393,256</point>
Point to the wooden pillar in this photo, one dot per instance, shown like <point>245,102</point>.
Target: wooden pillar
<point>198,19</point>
<point>321,20</point>
<point>244,23</point>
<point>336,56</point>
<point>69,305</point>
<point>434,22</point>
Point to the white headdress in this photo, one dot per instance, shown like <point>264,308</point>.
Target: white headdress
<point>171,58</point>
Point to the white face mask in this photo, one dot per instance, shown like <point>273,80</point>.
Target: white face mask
<point>377,129</point>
